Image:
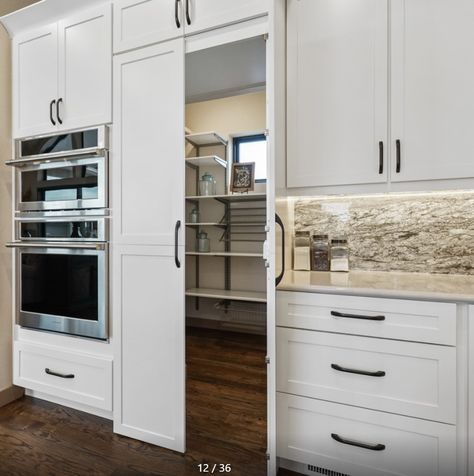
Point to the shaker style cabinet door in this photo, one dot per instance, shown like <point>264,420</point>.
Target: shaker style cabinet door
<point>337,92</point>
<point>432,98</point>
<point>140,23</point>
<point>85,69</point>
<point>148,168</point>
<point>35,82</point>
<point>149,335</point>
<point>201,15</point>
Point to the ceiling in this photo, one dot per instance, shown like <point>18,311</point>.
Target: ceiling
<point>226,70</point>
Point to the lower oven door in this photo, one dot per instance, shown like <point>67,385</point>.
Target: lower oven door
<point>62,287</point>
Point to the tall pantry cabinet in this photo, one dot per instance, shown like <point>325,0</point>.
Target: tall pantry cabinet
<point>148,275</point>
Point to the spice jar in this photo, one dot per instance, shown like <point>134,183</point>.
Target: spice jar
<point>301,251</point>
<point>339,255</point>
<point>207,185</point>
<point>320,253</point>
<point>203,243</point>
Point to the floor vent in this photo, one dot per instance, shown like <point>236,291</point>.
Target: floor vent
<point>327,472</point>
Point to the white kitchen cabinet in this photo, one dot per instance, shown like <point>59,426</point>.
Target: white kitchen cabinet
<point>62,74</point>
<point>345,440</point>
<point>85,69</point>
<point>148,279</point>
<point>140,23</point>
<point>204,15</point>
<point>432,99</point>
<point>337,92</point>
<point>149,378</point>
<point>35,81</point>
<point>148,169</point>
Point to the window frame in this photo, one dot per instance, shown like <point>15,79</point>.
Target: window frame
<point>237,140</point>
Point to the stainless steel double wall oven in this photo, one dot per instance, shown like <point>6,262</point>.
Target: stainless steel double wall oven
<point>62,232</point>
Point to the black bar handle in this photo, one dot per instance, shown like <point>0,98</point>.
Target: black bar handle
<point>399,155</point>
<point>378,373</point>
<point>57,374</point>
<point>279,221</point>
<point>176,234</point>
<point>367,446</point>
<point>60,100</point>
<point>357,316</point>
<point>176,13</point>
<point>380,157</point>
<point>51,118</point>
<point>188,15</point>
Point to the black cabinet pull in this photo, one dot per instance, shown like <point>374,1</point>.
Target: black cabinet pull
<point>176,234</point>
<point>357,316</point>
<point>51,118</point>
<point>60,100</point>
<point>399,155</point>
<point>367,446</point>
<point>188,14</point>
<point>279,221</point>
<point>176,13</point>
<point>379,373</point>
<point>380,157</point>
<point>57,374</point>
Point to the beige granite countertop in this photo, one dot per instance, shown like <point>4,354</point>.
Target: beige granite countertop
<point>429,287</point>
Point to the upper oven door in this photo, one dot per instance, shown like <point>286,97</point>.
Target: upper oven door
<point>62,184</point>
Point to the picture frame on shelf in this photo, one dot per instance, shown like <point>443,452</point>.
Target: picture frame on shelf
<point>242,177</point>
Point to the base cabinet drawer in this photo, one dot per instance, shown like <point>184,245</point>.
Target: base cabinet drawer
<point>420,321</point>
<point>407,378</point>
<point>359,442</point>
<point>82,378</point>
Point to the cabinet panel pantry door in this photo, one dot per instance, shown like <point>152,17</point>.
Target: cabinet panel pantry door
<point>149,334</point>
<point>85,68</point>
<point>432,89</point>
<point>35,81</point>
<point>337,92</point>
<point>208,14</point>
<point>148,160</point>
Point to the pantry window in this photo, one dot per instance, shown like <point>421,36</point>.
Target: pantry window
<point>252,148</point>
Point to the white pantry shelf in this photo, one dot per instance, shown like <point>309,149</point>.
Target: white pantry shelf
<point>225,254</point>
<point>209,223</point>
<point>232,295</point>
<point>206,161</point>
<point>249,197</point>
<point>206,139</point>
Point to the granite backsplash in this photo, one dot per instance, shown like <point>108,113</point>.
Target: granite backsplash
<point>427,233</point>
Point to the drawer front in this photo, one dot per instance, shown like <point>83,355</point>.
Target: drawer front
<point>320,433</point>
<point>401,377</point>
<point>77,377</point>
<point>419,321</point>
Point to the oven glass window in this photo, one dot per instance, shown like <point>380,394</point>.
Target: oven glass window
<point>67,183</point>
<point>60,229</point>
<point>60,284</point>
<point>60,143</point>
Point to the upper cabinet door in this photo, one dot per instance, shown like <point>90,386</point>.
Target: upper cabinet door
<point>201,15</point>
<point>337,92</point>
<point>148,172</point>
<point>432,89</point>
<point>140,23</point>
<point>85,69</point>
<point>35,82</point>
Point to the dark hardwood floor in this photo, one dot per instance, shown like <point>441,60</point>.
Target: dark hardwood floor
<point>226,422</point>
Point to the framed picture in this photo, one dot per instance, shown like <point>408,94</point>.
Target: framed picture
<point>243,177</point>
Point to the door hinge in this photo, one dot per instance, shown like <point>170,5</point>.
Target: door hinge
<point>265,36</point>
<point>267,456</point>
<point>266,132</point>
<point>267,359</point>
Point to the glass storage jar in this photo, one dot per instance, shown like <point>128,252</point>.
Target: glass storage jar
<point>203,244</point>
<point>339,255</point>
<point>207,185</point>
<point>320,253</point>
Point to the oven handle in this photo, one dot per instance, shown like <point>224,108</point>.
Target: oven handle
<point>82,246</point>
<point>92,152</point>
